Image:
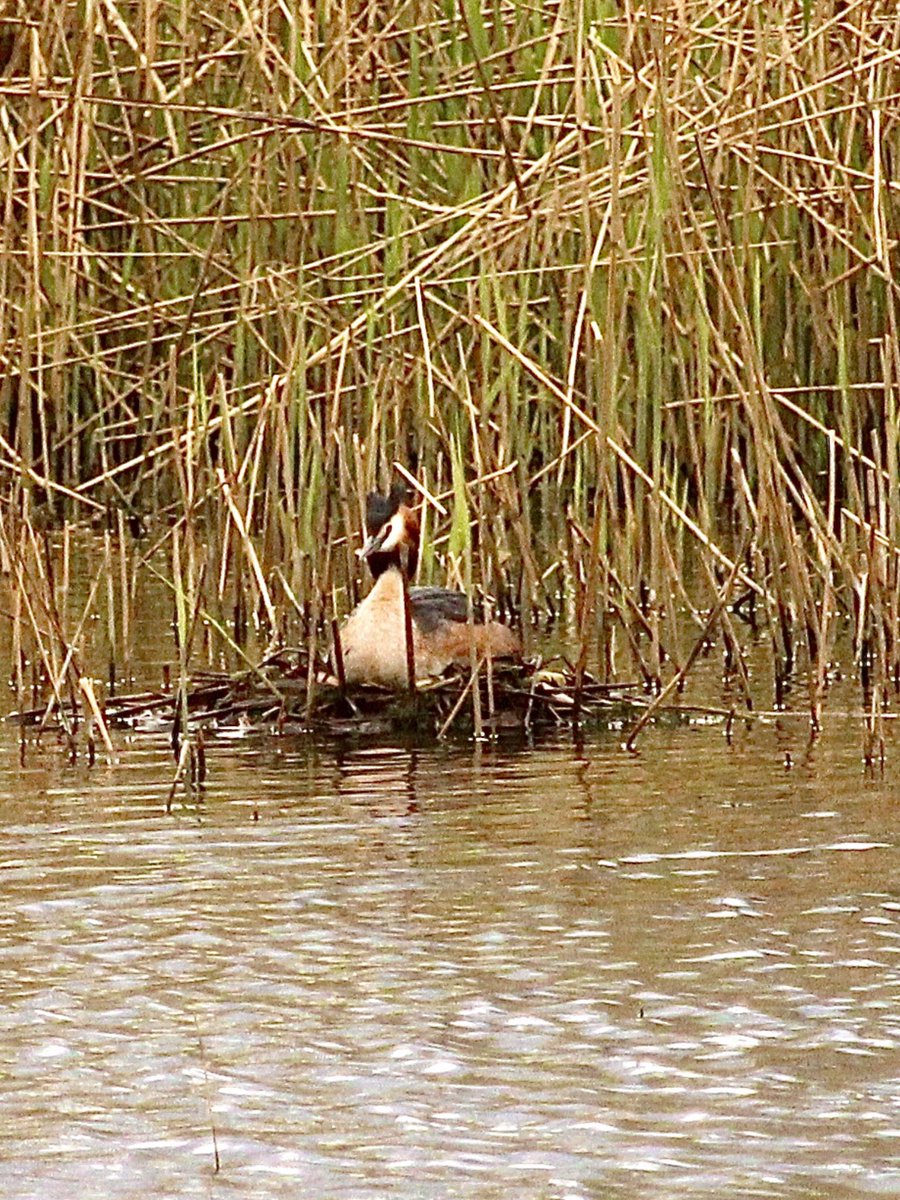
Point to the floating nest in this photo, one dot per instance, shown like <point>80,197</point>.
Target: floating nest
<point>285,694</point>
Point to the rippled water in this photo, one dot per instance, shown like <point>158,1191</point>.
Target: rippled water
<point>556,972</point>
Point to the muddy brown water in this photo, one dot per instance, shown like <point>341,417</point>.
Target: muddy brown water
<point>554,971</point>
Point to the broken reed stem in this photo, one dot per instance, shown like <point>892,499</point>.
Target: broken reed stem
<point>339,656</point>
<point>461,699</point>
<point>87,689</point>
<point>408,643</point>
<point>682,673</point>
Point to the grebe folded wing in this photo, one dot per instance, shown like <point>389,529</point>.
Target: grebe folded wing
<point>441,622</point>
<point>432,605</point>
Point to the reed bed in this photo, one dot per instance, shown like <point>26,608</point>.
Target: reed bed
<point>613,283</point>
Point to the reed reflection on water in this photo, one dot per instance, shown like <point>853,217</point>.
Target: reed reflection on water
<point>391,971</point>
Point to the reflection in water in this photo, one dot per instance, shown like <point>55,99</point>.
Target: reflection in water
<point>555,972</point>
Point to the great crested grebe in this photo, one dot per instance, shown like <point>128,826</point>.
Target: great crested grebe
<point>373,638</point>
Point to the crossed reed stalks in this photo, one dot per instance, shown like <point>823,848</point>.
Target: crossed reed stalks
<point>614,282</point>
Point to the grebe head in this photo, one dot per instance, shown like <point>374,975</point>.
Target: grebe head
<point>392,532</point>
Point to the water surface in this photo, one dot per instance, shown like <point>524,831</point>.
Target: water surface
<point>555,971</point>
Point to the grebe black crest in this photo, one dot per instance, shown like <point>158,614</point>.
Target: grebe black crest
<point>392,532</point>
<point>373,638</point>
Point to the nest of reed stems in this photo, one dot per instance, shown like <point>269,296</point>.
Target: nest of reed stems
<point>275,696</point>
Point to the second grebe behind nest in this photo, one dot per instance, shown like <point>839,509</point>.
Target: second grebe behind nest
<point>373,638</point>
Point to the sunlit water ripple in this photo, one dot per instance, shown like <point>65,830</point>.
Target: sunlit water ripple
<point>364,972</point>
